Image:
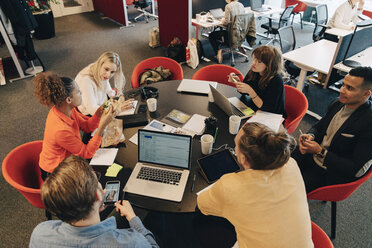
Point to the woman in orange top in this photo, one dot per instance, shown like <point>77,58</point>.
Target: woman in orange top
<point>64,121</point>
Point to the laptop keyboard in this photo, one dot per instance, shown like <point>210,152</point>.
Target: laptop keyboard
<point>236,111</point>
<point>159,175</point>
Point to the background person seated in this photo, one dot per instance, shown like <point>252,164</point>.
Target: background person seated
<point>346,15</point>
<point>264,203</point>
<point>338,148</point>
<point>72,192</point>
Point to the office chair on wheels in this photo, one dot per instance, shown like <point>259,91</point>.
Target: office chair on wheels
<point>141,5</point>
<point>321,21</point>
<point>299,9</point>
<point>272,27</point>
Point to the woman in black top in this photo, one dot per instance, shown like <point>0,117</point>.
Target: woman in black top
<point>263,87</point>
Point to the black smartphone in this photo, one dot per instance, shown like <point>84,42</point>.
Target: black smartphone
<point>142,108</point>
<point>112,192</point>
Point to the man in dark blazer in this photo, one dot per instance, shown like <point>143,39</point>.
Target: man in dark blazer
<point>338,149</point>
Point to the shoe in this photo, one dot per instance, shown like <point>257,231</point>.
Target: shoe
<point>219,56</point>
<point>242,50</point>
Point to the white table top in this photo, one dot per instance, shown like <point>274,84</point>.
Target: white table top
<point>316,56</point>
<point>364,57</point>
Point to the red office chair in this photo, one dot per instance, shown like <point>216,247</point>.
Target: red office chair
<point>367,13</point>
<point>299,9</point>
<point>21,170</point>
<point>319,237</point>
<point>335,193</point>
<point>166,63</point>
<point>295,106</point>
<point>217,73</point>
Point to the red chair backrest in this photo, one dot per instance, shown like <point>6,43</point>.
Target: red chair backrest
<point>166,63</point>
<point>338,192</point>
<point>320,238</point>
<point>367,13</point>
<point>301,6</point>
<point>295,106</point>
<point>21,170</point>
<point>217,73</point>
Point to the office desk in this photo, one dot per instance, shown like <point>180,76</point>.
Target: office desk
<point>364,58</point>
<point>169,99</point>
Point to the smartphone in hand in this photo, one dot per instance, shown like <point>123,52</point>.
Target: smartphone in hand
<point>112,192</point>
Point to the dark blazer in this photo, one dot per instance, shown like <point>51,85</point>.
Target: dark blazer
<point>351,146</point>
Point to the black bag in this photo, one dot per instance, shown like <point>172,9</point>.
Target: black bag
<point>176,50</point>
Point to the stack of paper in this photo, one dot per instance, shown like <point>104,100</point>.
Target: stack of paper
<point>196,124</point>
<point>271,120</point>
<point>104,156</point>
<point>155,126</point>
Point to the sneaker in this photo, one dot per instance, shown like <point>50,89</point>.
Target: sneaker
<point>219,56</point>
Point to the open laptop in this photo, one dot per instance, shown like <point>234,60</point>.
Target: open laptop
<point>230,109</point>
<point>163,167</point>
<point>256,5</point>
<point>217,13</point>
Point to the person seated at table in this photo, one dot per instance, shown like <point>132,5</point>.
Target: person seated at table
<point>232,8</point>
<point>94,84</point>
<point>64,121</point>
<point>263,83</point>
<point>266,202</point>
<point>337,149</point>
<point>73,193</point>
<point>346,15</point>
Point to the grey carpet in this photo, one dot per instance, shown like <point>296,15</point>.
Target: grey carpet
<point>79,40</point>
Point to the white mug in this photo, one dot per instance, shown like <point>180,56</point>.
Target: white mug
<point>234,124</point>
<point>151,104</point>
<point>206,143</point>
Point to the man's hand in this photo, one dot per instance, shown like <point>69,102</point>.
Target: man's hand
<point>309,146</point>
<point>125,209</point>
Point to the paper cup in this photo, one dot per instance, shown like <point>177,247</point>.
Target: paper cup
<point>151,104</point>
<point>197,17</point>
<point>234,124</point>
<point>206,143</point>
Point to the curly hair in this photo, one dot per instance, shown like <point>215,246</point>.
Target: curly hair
<point>51,89</point>
<point>70,191</point>
<point>265,149</point>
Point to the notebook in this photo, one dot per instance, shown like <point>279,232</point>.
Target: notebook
<point>163,167</point>
<point>256,5</point>
<point>227,107</point>
<point>217,13</point>
<point>195,86</point>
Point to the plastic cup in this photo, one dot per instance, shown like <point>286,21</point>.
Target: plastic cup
<point>206,143</point>
<point>234,124</point>
<point>151,104</point>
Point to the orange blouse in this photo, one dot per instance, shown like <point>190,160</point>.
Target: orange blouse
<point>62,138</point>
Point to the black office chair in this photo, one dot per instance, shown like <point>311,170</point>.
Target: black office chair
<point>287,40</point>
<point>321,22</point>
<point>141,5</point>
<point>272,27</point>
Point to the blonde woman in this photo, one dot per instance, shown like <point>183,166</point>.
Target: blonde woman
<point>94,83</point>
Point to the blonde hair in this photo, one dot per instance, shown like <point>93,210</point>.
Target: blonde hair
<point>119,79</point>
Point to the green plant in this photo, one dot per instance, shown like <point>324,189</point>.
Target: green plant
<point>40,5</point>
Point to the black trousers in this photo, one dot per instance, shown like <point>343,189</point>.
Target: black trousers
<point>313,175</point>
<point>218,38</point>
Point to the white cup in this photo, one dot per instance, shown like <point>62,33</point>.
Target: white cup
<point>234,124</point>
<point>206,143</point>
<point>151,104</point>
<point>210,96</point>
<point>197,17</point>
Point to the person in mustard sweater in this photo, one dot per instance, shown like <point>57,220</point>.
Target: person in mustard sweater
<point>64,121</point>
<point>266,202</point>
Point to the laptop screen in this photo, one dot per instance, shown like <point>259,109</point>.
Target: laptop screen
<point>164,148</point>
<point>255,4</point>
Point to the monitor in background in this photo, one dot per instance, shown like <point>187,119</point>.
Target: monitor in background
<point>206,5</point>
<point>256,5</point>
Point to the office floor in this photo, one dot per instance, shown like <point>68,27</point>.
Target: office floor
<point>79,40</point>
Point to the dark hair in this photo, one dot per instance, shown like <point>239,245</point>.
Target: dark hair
<point>273,60</point>
<point>51,89</point>
<point>364,72</point>
<point>263,148</point>
<point>70,191</point>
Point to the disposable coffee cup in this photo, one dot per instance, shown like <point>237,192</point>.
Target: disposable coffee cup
<point>151,104</point>
<point>197,17</point>
<point>206,143</point>
<point>210,96</point>
<point>234,124</point>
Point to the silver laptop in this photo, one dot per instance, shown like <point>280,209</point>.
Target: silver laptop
<point>217,13</point>
<point>224,103</point>
<point>163,166</point>
<point>256,5</point>
<point>195,86</point>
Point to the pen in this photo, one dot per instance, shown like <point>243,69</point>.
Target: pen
<point>193,183</point>
<point>215,135</point>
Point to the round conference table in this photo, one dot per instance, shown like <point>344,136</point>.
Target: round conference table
<point>168,100</point>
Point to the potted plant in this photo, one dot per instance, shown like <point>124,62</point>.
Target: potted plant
<point>44,17</point>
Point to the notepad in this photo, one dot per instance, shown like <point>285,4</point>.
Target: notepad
<point>196,124</point>
<point>104,156</point>
<point>113,170</point>
<point>195,86</point>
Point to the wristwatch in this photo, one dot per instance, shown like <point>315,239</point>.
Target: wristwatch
<point>322,153</point>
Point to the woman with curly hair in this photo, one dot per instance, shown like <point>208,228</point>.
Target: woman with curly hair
<point>263,82</point>
<point>64,121</point>
<point>94,83</point>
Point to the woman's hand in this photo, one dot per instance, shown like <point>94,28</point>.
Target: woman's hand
<point>128,104</point>
<point>233,78</point>
<point>106,118</point>
<point>245,88</point>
